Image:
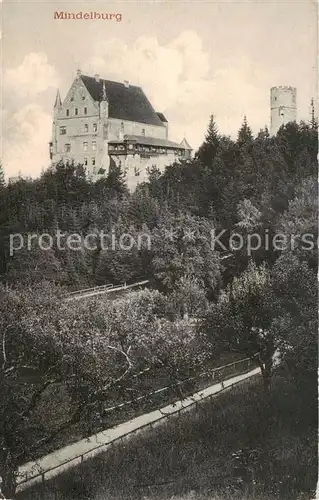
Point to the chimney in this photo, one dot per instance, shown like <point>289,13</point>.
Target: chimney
<point>97,78</point>
<point>126,83</point>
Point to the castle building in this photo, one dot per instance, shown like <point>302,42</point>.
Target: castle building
<point>101,122</point>
<point>283,107</point>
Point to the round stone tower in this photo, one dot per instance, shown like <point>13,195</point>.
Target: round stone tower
<point>283,107</point>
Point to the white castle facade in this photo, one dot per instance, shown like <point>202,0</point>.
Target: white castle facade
<point>101,122</point>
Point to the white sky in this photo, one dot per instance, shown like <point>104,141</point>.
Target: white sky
<point>191,58</point>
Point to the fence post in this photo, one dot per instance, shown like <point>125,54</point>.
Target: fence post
<point>42,486</point>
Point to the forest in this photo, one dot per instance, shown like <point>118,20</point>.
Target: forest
<point>260,301</point>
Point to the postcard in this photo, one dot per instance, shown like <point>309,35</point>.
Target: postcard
<point>158,250</point>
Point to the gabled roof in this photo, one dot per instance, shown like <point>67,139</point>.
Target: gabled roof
<point>126,102</point>
<point>161,117</point>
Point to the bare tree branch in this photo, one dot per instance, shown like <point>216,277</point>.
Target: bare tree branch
<point>82,407</point>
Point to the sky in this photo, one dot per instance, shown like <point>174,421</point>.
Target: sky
<point>191,58</point>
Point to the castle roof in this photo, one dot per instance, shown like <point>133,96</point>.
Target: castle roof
<point>126,102</point>
<point>58,102</point>
<point>148,141</point>
<point>161,117</point>
<point>186,144</point>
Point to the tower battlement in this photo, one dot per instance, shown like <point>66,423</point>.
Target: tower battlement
<point>285,87</point>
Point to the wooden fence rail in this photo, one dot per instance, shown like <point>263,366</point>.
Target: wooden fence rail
<point>87,292</point>
<point>74,454</point>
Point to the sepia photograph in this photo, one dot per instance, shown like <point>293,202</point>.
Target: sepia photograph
<point>159,250</point>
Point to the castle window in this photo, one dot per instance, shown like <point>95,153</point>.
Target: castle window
<point>93,161</point>
<point>76,111</point>
<point>143,131</point>
<point>62,130</point>
<point>86,127</point>
<point>85,110</point>
<point>85,161</point>
<point>67,111</point>
<point>136,171</point>
<point>94,169</point>
<point>85,146</point>
<point>94,127</point>
<point>93,145</point>
<point>67,148</point>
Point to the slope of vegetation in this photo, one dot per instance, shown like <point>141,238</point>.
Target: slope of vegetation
<point>238,446</point>
<point>244,299</point>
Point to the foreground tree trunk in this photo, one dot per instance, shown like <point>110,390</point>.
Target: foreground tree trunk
<point>266,366</point>
<point>267,375</point>
<point>267,351</point>
<point>8,483</point>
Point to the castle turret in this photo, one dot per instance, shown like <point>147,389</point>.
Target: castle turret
<point>56,109</point>
<point>58,102</point>
<point>283,107</point>
<point>187,148</point>
<point>104,115</point>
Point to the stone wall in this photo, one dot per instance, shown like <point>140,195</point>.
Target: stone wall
<point>136,167</point>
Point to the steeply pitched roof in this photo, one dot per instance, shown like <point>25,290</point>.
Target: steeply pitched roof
<point>161,117</point>
<point>125,102</point>
<point>58,102</point>
<point>186,144</point>
<point>149,141</point>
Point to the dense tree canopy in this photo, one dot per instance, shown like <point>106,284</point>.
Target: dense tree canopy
<point>259,302</point>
